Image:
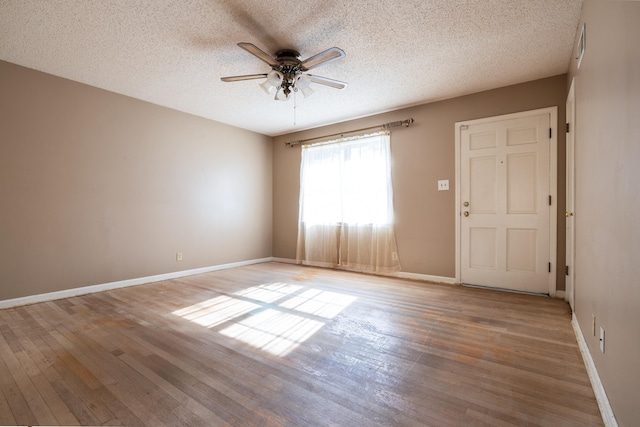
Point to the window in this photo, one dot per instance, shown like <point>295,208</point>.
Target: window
<point>346,205</point>
<point>348,182</point>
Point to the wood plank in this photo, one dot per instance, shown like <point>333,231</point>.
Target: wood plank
<point>38,408</point>
<point>65,383</point>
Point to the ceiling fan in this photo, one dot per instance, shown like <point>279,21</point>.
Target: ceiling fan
<point>288,72</point>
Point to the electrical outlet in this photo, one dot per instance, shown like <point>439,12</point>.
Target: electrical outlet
<point>394,256</point>
<point>601,339</point>
<point>443,184</point>
<point>178,256</point>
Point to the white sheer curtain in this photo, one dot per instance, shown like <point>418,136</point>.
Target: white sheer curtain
<point>346,205</point>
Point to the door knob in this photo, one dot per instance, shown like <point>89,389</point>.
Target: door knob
<point>466,204</point>
<point>465,213</point>
<point>568,214</point>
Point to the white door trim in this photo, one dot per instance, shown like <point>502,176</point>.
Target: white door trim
<point>553,185</point>
<point>570,251</point>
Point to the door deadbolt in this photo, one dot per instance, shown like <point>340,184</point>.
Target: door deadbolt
<point>466,204</point>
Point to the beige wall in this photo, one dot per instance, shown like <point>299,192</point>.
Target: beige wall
<point>607,213</point>
<point>96,187</point>
<point>421,155</point>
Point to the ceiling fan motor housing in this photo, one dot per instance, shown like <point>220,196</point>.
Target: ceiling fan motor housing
<point>289,65</point>
<point>288,57</point>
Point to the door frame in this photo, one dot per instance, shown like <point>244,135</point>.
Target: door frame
<point>570,247</point>
<point>553,185</point>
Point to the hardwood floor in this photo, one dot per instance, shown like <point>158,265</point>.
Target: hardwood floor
<point>275,344</point>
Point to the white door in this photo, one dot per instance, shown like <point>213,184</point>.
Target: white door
<point>504,203</point>
<point>570,198</point>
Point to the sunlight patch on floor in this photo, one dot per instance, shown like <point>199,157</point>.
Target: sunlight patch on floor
<point>273,331</point>
<point>268,293</point>
<point>274,317</point>
<point>319,303</point>
<point>218,310</point>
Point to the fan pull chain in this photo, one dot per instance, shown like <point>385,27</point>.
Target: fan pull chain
<point>295,106</point>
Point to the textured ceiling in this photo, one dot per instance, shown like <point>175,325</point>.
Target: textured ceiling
<point>399,53</point>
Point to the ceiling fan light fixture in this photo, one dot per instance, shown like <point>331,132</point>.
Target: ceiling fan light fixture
<point>282,95</point>
<point>303,83</point>
<point>273,81</point>
<point>306,91</point>
<point>267,87</point>
<point>274,78</point>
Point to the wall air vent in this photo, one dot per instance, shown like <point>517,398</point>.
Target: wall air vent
<point>582,44</point>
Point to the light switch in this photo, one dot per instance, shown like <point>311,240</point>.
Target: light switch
<point>443,185</point>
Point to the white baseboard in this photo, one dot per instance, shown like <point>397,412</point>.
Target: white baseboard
<point>398,274</point>
<point>601,396</point>
<point>67,293</point>
<point>560,295</point>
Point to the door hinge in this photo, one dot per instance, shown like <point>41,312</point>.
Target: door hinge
<point>566,270</point>
<point>549,267</point>
<point>549,199</point>
<point>549,132</point>
<point>568,128</point>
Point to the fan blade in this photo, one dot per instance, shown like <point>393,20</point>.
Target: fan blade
<point>259,53</point>
<point>322,58</point>
<point>240,78</point>
<point>336,84</point>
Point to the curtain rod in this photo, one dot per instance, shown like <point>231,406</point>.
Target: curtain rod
<point>405,123</point>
